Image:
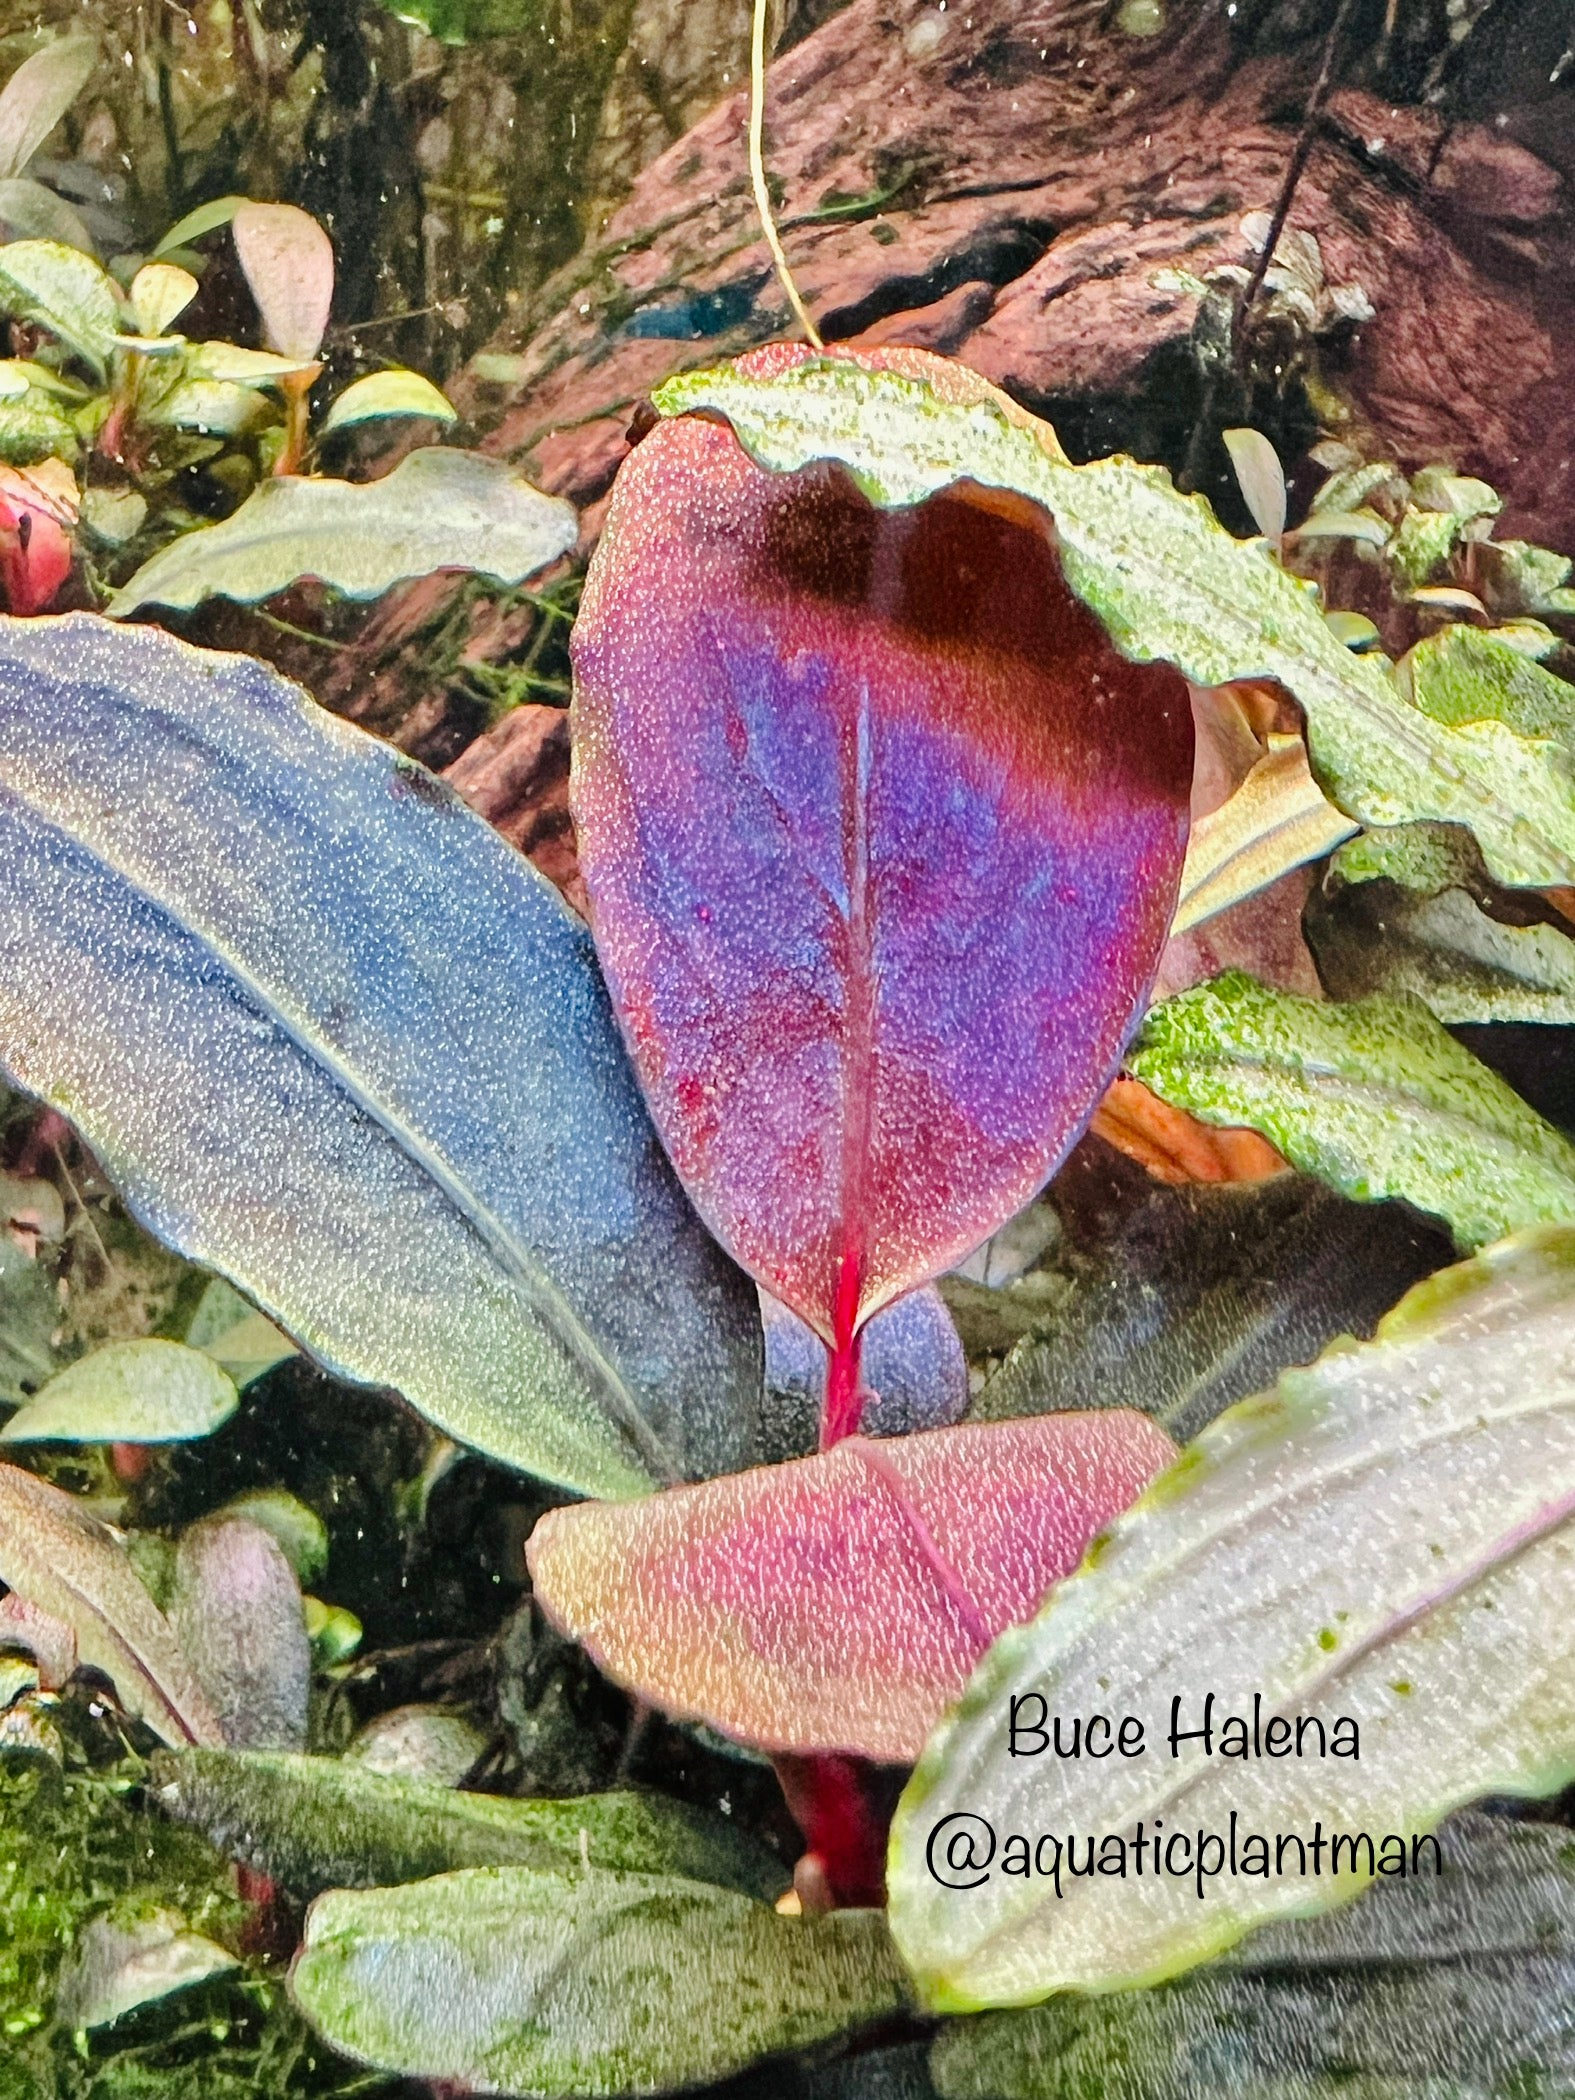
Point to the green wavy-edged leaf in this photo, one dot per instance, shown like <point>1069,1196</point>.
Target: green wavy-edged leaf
<point>439,509</point>
<point>1460,1985</point>
<point>1170,583</point>
<point>509,1980</point>
<point>338,1042</point>
<point>140,1392</point>
<point>1375,1097</point>
<point>65,291</point>
<point>1462,675</point>
<point>324,1822</point>
<point>1386,1536</point>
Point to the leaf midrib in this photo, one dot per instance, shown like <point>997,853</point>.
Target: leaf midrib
<point>540,1291</point>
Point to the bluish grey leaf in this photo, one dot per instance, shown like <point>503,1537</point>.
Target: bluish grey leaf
<point>913,1368</point>
<point>337,1041</point>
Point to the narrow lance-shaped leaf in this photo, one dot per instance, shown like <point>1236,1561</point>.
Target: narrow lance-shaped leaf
<point>1459,1983</point>
<point>1379,1553</point>
<point>882,838</point>
<point>336,1041</point>
<point>1376,1098</point>
<point>37,96</point>
<point>838,1603</point>
<point>513,1981</point>
<point>438,509</point>
<point>322,1822</point>
<point>1168,583</point>
<point>66,1563</point>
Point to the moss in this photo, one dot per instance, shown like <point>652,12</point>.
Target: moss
<point>73,1842</point>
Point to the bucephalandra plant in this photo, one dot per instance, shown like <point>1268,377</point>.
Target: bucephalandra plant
<point>883,780</point>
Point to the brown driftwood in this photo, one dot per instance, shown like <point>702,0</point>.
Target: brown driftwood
<point>1005,182</point>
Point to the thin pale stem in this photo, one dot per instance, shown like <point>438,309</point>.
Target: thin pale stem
<point>757,172</point>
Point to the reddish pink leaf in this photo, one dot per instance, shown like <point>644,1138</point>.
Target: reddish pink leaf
<point>38,508</point>
<point>882,839</point>
<point>840,1602</point>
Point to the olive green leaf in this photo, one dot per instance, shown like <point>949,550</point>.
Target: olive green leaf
<point>1462,675</point>
<point>392,393</point>
<point>438,509</point>
<point>56,1556</point>
<point>1375,1098</point>
<point>1378,1552</point>
<point>1196,1297</point>
<point>584,1982</point>
<point>1443,949</point>
<point>323,1822</point>
<point>37,96</point>
<point>1168,582</point>
<point>1458,1983</point>
<point>142,1392</point>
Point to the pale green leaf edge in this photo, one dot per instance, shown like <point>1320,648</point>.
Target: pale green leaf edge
<point>1169,584</point>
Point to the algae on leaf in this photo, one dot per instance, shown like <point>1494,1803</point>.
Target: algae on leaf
<point>511,1980</point>
<point>1382,1544</point>
<point>1375,1098</point>
<point>1169,584</point>
<point>319,1822</point>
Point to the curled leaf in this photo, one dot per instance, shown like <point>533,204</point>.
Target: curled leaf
<point>1169,584</point>
<point>1278,819</point>
<point>393,393</point>
<point>74,1568</point>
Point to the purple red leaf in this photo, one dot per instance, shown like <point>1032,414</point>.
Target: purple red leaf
<point>882,838</point>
